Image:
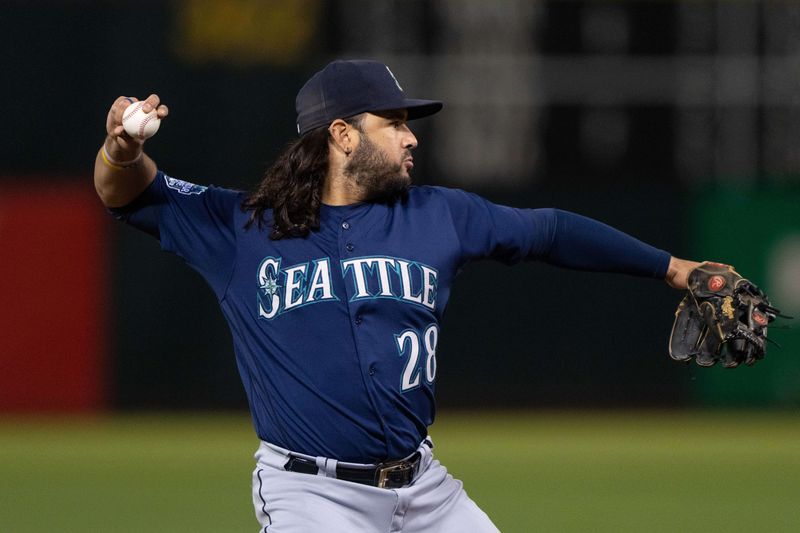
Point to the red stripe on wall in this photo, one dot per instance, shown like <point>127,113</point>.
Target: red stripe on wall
<point>54,286</point>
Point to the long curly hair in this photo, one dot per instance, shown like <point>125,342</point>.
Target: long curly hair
<point>292,186</point>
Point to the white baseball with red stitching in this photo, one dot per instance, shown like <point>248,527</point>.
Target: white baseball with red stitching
<point>138,124</point>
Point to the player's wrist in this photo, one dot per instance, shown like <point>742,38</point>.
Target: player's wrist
<point>117,157</point>
<point>678,272</point>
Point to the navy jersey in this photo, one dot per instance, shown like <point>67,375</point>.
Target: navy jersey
<point>335,334</point>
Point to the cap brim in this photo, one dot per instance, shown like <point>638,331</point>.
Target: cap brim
<point>417,108</point>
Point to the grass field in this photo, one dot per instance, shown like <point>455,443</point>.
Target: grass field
<point>532,471</point>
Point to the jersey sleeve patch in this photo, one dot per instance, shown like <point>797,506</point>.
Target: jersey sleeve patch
<point>184,187</point>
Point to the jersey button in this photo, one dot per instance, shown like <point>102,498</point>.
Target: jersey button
<point>372,370</point>
<point>350,247</point>
<point>345,225</point>
<point>358,320</point>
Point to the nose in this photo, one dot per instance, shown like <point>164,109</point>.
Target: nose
<point>409,140</point>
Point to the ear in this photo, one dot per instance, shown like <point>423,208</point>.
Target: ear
<point>343,135</point>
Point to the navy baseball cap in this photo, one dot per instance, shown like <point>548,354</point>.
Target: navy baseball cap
<point>346,88</point>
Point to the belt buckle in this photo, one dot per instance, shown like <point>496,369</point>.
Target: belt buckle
<point>385,471</point>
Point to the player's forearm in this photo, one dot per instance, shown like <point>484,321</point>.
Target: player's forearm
<point>583,243</point>
<point>117,182</point>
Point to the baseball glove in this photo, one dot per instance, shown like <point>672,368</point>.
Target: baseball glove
<point>722,317</point>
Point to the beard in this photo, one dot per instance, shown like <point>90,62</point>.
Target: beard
<point>379,179</point>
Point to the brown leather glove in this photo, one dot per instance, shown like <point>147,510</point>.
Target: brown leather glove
<point>722,317</point>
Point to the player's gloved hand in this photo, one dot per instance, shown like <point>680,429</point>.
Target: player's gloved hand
<point>120,145</point>
<point>722,317</point>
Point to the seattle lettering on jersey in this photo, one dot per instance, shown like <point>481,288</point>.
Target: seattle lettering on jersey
<point>391,277</point>
<point>285,289</point>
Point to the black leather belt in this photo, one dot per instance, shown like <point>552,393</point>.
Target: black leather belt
<point>389,475</point>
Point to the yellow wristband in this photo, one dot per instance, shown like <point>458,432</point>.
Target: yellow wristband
<point>118,165</point>
<point>107,162</point>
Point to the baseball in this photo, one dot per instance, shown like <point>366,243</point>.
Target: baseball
<point>138,124</point>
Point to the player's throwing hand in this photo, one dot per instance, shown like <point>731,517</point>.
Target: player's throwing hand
<point>120,145</point>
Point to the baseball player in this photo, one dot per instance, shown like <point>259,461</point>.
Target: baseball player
<point>333,275</point>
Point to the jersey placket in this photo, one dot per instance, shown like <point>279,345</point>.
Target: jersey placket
<point>350,237</point>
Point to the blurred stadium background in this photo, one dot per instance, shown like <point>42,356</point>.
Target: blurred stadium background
<point>676,121</point>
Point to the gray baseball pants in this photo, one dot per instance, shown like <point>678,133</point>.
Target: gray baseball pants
<point>293,502</point>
